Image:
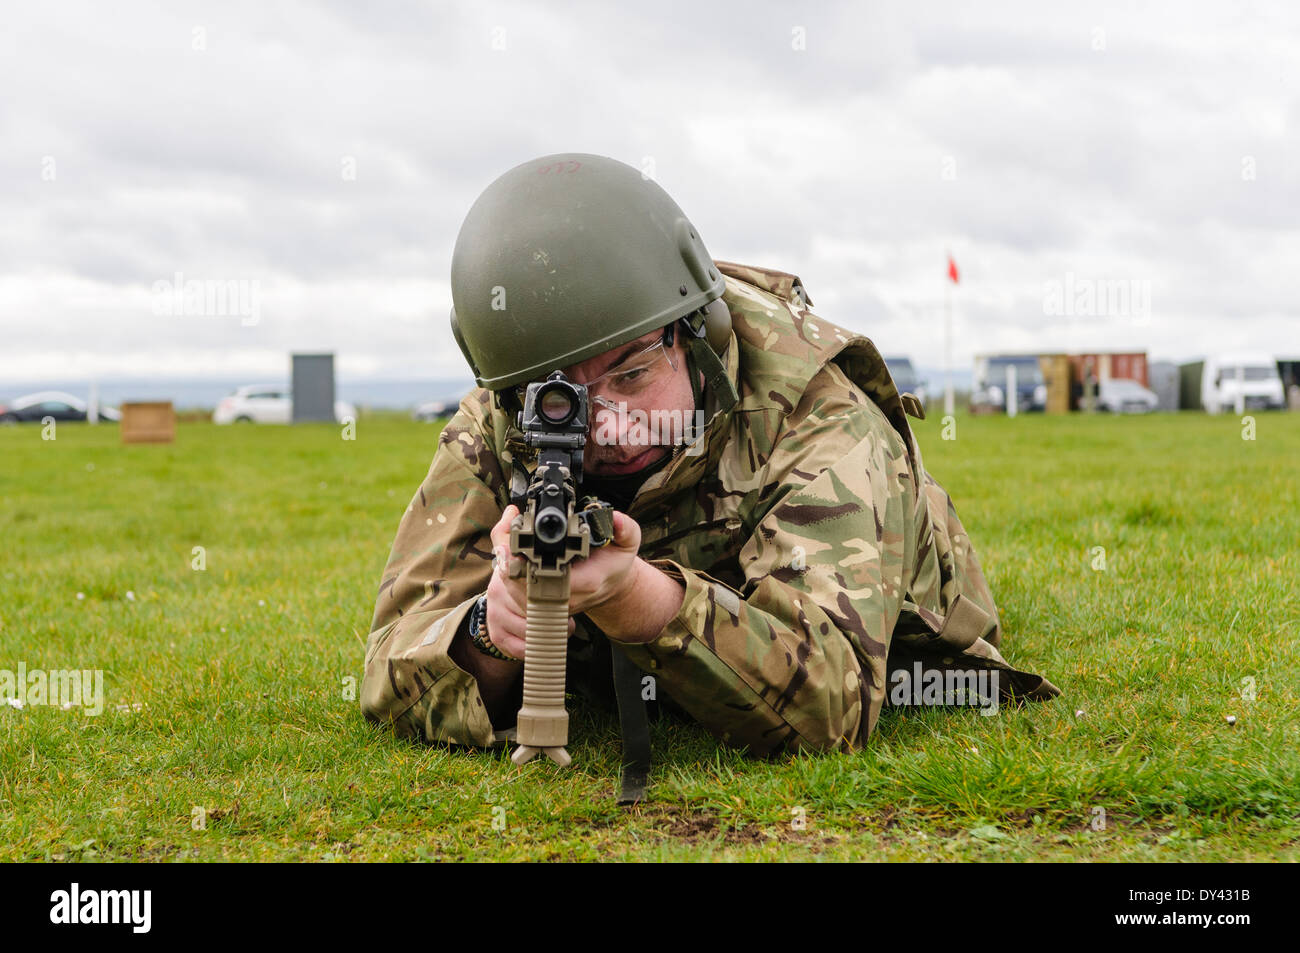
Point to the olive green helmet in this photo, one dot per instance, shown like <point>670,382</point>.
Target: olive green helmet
<point>567,256</point>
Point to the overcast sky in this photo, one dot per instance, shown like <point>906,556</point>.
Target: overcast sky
<point>327,153</point>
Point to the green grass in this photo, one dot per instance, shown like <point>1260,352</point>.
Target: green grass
<point>240,670</point>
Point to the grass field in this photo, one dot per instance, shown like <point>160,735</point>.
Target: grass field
<point>1148,566</point>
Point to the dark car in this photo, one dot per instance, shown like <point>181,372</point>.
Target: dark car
<point>436,409</point>
<point>904,375</point>
<point>50,403</point>
<point>1031,388</point>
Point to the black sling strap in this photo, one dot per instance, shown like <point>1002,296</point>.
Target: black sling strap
<point>635,727</point>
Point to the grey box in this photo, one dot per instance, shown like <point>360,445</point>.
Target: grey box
<point>313,388</point>
<point>1163,378</point>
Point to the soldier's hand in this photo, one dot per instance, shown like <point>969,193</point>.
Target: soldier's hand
<point>507,597</point>
<point>609,571</point>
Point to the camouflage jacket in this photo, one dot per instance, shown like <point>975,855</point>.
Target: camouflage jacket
<point>816,552</point>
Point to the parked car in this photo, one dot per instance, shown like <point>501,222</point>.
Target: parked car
<point>1121,396</point>
<point>435,410</point>
<point>905,379</point>
<point>51,403</point>
<point>267,404</point>
<point>1252,376</point>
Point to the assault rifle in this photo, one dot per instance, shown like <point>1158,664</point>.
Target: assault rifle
<point>551,531</point>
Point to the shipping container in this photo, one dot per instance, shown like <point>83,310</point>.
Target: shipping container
<point>1164,384</point>
<point>1189,385</point>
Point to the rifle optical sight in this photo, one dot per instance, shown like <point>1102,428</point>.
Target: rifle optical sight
<point>555,417</point>
<point>556,403</point>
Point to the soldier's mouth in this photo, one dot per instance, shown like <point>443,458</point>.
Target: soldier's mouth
<point>623,467</point>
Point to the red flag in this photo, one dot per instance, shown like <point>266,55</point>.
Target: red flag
<point>952,269</point>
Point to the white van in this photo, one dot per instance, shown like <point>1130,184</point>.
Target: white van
<point>1251,376</point>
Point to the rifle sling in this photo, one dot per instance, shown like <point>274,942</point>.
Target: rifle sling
<point>635,728</point>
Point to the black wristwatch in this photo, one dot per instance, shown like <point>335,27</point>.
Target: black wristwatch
<point>478,632</point>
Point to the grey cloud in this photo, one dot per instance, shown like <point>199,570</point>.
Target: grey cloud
<point>226,162</point>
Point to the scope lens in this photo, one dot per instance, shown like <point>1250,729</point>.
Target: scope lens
<point>555,404</point>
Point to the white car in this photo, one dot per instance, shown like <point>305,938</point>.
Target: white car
<point>267,404</point>
<point>1120,396</point>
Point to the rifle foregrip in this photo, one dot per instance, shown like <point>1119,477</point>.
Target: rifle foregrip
<point>543,721</point>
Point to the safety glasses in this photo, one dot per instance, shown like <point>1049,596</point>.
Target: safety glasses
<point>634,376</point>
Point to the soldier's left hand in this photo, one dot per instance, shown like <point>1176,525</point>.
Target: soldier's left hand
<point>606,575</point>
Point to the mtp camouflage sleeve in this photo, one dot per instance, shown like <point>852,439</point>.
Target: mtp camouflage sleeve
<point>796,657</point>
<point>441,562</point>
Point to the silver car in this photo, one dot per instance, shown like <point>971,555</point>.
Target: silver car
<point>1121,396</point>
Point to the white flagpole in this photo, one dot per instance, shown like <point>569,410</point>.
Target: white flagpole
<point>947,345</point>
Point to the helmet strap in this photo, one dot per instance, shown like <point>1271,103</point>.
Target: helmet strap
<point>705,361</point>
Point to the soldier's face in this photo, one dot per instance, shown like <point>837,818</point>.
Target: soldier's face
<point>626,385</point>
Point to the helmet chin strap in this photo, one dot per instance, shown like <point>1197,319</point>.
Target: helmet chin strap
<point>701,358</point>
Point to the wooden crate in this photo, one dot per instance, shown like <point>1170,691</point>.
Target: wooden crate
<point>1056,375</point>
<point>148,422</point>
